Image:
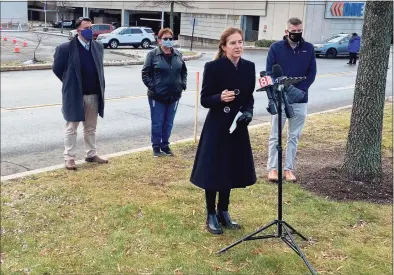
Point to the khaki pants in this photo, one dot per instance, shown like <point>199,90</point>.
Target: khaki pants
<point>294,128</point>
<point>89,130</point>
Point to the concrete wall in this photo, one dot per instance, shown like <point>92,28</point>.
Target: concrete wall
<point>208,25</point>
<point>14,11</point>
<point>277,15</point>
<point>238,7</point>
<point>317,27</point>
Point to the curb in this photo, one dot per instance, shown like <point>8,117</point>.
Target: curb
<point>52,33</point>
<point>106,64</point>
<point>141,149</point>
<point>256,48</point>
<point>185,58</point>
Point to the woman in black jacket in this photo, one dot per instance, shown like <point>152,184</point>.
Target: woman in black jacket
<point>165,74</point>
<point>224,160</point>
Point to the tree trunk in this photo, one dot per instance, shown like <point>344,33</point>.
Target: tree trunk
<point>172,16</point>
<point>363,150</point>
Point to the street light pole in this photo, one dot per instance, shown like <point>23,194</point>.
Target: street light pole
<point>45,12</point>
<point>162,18</point>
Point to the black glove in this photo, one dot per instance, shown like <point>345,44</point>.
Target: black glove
<point>294,95</point>
<point>245,118</point>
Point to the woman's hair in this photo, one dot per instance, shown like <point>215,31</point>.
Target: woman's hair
<point>223,39</point>
<point>165,31</point>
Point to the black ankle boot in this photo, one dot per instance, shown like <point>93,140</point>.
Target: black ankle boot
<point>225,219</point>
<point>213,224</point>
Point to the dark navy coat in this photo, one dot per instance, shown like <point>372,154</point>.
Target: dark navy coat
<point>67,68</point>
<point>223,160</point>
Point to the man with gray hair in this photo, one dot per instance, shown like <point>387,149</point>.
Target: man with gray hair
<point>297,59</point>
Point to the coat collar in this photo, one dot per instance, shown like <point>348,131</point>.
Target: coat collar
<point>158,51</point>
<point>240,62</point>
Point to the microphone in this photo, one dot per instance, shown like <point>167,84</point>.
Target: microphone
<point>277,71</point>
<point>265,81</point>
<point>278,74</point>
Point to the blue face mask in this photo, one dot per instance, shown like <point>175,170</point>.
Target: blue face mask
<point>168,43</point>
<point>87,34</point>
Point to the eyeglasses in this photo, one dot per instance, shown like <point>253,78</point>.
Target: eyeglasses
<point>166,38</point>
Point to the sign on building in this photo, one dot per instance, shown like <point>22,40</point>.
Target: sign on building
<point>345,10</point>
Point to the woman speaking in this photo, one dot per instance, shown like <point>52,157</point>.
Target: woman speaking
<point>224,158</point>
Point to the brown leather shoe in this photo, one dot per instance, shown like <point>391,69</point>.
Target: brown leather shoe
<point>70,164</point>
<point>273,175</point>
<point>289,176</point>
<point>96,159</point>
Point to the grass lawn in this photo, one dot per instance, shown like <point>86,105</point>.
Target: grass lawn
<point>140,215</point>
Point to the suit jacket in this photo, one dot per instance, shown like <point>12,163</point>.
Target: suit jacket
<point>67,68</point>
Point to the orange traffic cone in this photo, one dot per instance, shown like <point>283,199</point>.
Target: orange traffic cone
<point>5,38</point>
<point>16,49</point>
<point>24,43</point>
<point>14,40</point>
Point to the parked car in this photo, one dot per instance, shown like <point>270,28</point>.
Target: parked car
<point>115,24</point>
<point>97,30</point>
<point>128,36</point>
<point>66,24</point>
<point>335,45</point>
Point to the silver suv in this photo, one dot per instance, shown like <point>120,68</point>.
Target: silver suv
<point>128,36</point>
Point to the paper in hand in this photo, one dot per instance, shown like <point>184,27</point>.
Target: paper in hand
<point>234,124</point>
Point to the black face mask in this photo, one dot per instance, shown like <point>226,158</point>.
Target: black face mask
<point>295,36</point>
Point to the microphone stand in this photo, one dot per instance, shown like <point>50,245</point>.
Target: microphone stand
<point>285,231</point>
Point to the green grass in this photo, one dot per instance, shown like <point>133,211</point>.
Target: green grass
<point>140,215</point>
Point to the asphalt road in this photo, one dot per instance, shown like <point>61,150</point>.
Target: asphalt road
<point>32,125</point>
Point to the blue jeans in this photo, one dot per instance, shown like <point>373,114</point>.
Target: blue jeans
<point>162,117</point>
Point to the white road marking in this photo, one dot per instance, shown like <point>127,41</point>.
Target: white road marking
<point>343,88</point>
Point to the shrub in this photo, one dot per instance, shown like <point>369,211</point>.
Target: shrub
<point>264,43</point>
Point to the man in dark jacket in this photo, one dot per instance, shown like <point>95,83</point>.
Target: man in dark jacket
<point>353,48</point>
<point>297,58</point>
<point>164,74</point>
<point>79,66</point>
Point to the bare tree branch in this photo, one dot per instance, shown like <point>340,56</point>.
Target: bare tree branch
<point>61,8</point>
<point>40,37</point>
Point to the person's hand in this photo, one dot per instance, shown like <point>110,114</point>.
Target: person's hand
<point>245,118</point>
<point>227,96</point>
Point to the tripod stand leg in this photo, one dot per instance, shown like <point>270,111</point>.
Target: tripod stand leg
<point>299,250</point>
<point>295,231</point>
<point>246,238</point>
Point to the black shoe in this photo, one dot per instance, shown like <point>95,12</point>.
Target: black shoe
<point>167,151</point>
<point>349,63</point>
<point>156,152</point>
<point>225,219</point>
<point>213,225</point>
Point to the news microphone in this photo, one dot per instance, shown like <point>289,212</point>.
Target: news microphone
<point>277,71</point>
<point>265,81</point>
<point>278,74</point>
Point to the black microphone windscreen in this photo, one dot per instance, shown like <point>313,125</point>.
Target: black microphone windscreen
<point>277,71</point>
<point>263,73</point>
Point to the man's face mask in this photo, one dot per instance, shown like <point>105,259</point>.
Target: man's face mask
<point>295,36</point>
<point>87,34</point>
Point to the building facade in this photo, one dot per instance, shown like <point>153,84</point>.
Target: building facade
<point>258,19</point>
